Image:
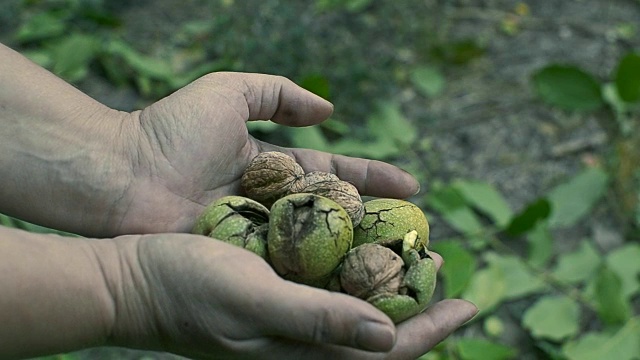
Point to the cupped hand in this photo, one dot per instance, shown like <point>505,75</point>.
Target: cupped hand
<point>191,148</point>
<point>203,298</point>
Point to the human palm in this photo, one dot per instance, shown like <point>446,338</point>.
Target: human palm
<point>192,147</point>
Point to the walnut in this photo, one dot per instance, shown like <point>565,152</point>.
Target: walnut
<point>399,281</point>
<point>308,237</point>
<point>330,186</point>
<point>236,220</point>
<point>269,176</point>
<point>371,269</point>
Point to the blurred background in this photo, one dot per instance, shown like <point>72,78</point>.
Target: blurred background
<point>519,118</point>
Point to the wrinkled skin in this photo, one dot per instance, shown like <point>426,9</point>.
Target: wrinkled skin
<point>197,303</point>
<point>99,172</point>
<point>193,146</point>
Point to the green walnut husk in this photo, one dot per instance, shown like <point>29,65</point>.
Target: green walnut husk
<point>308,238</point>
<point>400,285</point>
<point>389,220</point>
<point>236,220</point>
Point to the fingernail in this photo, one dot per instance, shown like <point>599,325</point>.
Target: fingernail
<point>417,190</point>
<point>373,336</point>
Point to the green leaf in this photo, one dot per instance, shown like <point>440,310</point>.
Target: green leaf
<point>623,345</point>
<point>480,349</point>
<point>308,137</point>
<point>461,265</point>
<point>552,317</point>
<point>454,210</point>
<point>72,56</point>
<point>574,199</point>
<point>376,150</point>
<point>145,66</point>
<point>529,217</point>
<point>568,87</point>
<point>41,26</point>
<point>428,80</point>
<point>628,78</point>
<point>612,306</point>
<point>389,123</point>
<point>317,84</point>
<point>578,266</point>
<point>486,289</point>
<point>519,280</point>
<point>624,262</point>
<point>484,197</point>
<point>540,245</point>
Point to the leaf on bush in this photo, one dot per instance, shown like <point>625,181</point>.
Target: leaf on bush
<point>568,87</point>
<point>461,265</point>
<point>486,198</point>
<point>552,317</point>
<point>486,289</point>
<point>41,26</point>
<point>518,278</point>
<point>628,78</point>
<point>317,84</point>
<point>308,137</point>
<point>540,245</point>
<point>625,262</point>
<point>574,199</point>
<point>579,265</point>
<point>389,123</point>
<point>529,217</point>
<point>454,210</point>
<point>72,55</point>
<point>144,66</point>
<point>623,345</point>
<point>481,349</point>
<point>428,80</point>
<point>613,308</point>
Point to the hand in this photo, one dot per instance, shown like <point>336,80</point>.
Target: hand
<point>203,298</point>
<point>191,148</point>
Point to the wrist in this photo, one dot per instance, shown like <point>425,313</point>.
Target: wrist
<point>126,283</point>
<point>54,296</point>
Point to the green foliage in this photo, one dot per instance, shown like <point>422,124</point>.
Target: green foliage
<point>567,288</point>
<point>24,225</point>
<point>479,349</point>
<point>612,306</point>
<point>627,78</point>
<point>461,265</point>
<point>573,200</point>
<point>429,81</point>
<point>568,87</point>
<point>553,317</point>
<point>529,217</point>
<point>623,344</point>
<point>578,266</point>
<point>348,5</point>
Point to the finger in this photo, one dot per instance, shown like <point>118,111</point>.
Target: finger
<point>276,98</point>
<point>370,177</point>
<point>311,315</point>
<point>415,337</point>
<point>421,333</point>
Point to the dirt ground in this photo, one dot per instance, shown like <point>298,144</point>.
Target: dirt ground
<point>487,124</point>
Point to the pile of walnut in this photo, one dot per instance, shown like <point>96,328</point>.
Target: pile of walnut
<point>314,229</point>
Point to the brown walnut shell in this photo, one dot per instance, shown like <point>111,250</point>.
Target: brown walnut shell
<point>269,176</point>
<point>371,269</point>
<point>330,186</point>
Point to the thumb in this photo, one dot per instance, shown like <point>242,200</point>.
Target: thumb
<point>318,316</point>
<point>276,98</point>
